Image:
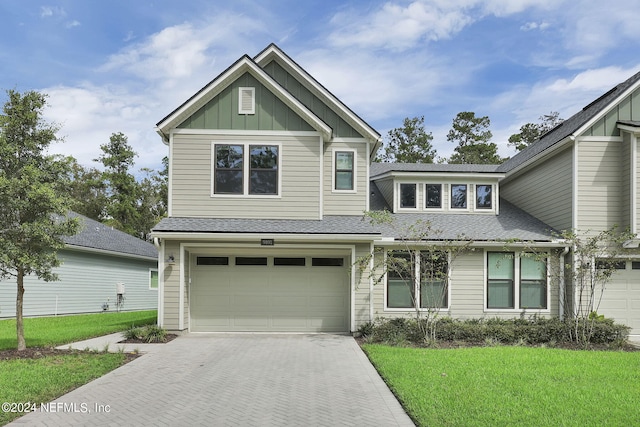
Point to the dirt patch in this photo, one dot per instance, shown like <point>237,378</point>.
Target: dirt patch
<point>170,337</point>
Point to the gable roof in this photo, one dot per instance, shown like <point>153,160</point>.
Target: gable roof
<point>223,80</point>
<point>95,236</point>
<point>573,125</point>
<point>273,52</point>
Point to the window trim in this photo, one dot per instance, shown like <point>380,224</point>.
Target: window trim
<point>416,287</point>
<point>453,208</point>
<point>517,255</point>
<point>417,204</point>
<point>334,170</point>
<point>430,208</point>
<point>151,271</point>
<point>491,202</point>
<point>246,169</point>
<point>251,169</point>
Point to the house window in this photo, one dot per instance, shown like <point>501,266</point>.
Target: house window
<point>433,196</point>
<point>153,279</point>
<point>458,196</point>
<point>263,177</point>
<point>407,195</point>
<point>417,276</point>
<point>228,169</point>
<point>344,166</point>
<point>505,286</point>
<point>500,274</point>
<point>483,197</point>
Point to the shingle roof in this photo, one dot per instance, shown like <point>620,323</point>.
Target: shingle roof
<point>512,223</point>
<point>377,169</point>
<point>569,126</point>
<point>95,235</point>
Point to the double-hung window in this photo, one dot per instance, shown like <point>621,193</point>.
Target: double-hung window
<point>433,279</point>
<point>344,170</point>
<point>231,176</point>
<point>516,280</point>
<point>400,280</point>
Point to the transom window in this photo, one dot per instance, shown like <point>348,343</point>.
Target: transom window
<point>344,170</point>
<point>483,196</point>
<point>433,196</point>
<point>417,277</point>
<point>407,195</point>
<point>458,196</point>
<point>506,287</point>
<point>231,176</point>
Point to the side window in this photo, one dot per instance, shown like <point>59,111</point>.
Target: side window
<point>483,197</point>
<point>263,178</point>
<point>153,279</point>
<point>228,169</point>
<point>344,170</point>
<point>458,196</point>
<point>407,195</point>
<point>433,196</point>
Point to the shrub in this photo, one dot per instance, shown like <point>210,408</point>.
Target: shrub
<point>148,333</point>
<point>133,333</point>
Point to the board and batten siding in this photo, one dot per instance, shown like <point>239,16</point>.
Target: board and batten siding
<point>221,112</point>
<point>627,109</point>
<point>345,203</point>
<point>87,281</point>
<point>191,179</point>
<point>545,191</point>
<point>599,185</point>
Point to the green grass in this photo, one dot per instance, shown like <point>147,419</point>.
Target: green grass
<point>507,386</point>
<point>54,331</point>
<point>42,380</point>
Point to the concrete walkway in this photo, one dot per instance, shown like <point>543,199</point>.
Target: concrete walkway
<point>233,380</point>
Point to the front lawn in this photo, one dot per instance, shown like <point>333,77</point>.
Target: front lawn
<point>58,330</point>
<point>506,386</point>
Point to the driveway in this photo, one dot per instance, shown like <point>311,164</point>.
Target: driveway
<point>235,380</point>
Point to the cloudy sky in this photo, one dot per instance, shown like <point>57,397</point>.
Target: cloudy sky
<point>122,65</point>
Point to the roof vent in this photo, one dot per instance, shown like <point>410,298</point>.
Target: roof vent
<point>247,100</point>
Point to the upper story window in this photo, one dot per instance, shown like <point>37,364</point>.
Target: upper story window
<point>344,170</point>
<point>483,196</point>
<point>408,196</point>
<point>433,196</point>
<point>458,196</point>
<point>264,169</point>
<point>228,173</point>
<point>232,177</point>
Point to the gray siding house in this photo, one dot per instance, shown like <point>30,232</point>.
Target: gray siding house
<point>94,261</point>
<point>269,177</point>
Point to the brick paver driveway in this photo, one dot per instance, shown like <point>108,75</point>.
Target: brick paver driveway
<point>235,380</point>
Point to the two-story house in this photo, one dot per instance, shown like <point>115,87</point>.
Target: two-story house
<point>269,176</point>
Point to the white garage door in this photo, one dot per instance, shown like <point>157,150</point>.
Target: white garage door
<point>621,299</point>
<point>276,294</point>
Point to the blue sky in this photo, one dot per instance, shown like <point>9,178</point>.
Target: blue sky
<point>121,66</point>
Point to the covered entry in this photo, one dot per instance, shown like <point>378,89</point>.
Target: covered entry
<point>269,293</point>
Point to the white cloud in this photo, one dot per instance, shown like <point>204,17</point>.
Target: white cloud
<point>72,24</point>
<point>48,11</point>
<point>529,26</point>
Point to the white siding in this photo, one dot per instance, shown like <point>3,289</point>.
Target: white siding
<point>87,281</point>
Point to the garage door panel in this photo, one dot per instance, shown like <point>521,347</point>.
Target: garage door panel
<point>269,298</point>
<point>621,299</point>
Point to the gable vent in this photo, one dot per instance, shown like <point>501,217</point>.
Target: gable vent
<point>247,101</point>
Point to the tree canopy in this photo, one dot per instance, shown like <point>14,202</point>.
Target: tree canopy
<point>410,143</point>
<point>531,132</point>
<point>33,205</point>
<point>472,136</point>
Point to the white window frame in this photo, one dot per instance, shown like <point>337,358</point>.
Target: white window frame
<point>475,198</point>
<point>151,270</point>
<point>399,198</point>
<point>246,169</point>
<point>252,92</point>
<point>516,284</point>
<point>416,288</point>
<point>451,207</point>
<point>334,150</point>
<point>442,199</point>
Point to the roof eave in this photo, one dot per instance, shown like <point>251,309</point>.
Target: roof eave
<point>256,237</point>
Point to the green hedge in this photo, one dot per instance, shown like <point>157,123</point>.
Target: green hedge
<point>534,331</point>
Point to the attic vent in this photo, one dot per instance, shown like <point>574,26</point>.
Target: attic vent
<point>247,100</point>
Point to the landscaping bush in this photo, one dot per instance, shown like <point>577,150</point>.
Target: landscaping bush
<point>148,333</point>
<point>534,330</point>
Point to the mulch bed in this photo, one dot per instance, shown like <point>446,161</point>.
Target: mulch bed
<point>170,337</point>
<point>40,352</point>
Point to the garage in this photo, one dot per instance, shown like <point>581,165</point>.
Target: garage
<point>621,300</point>
<point>256,293</point>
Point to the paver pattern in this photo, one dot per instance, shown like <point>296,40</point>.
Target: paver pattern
<point>236,380</point>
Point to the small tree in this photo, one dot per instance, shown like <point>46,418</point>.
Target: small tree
<point>420,261</point>
<point>33,209</point>
<point>531,132</point>
<point>410,143</point>
<point>472,136</point>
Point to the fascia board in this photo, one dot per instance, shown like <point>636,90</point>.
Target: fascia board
<point>283,237</point>
<point>273,52</point>
<point>630,129</point>
<point>439,174</point>
<point>475,244</point>
<point>245,64</point>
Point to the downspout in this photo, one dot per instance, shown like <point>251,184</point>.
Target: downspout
<point>562,290</point>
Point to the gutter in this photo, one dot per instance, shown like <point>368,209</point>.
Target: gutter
<point>253,237</point>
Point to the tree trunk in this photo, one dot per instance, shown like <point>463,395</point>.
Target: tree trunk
<point>22,345</point>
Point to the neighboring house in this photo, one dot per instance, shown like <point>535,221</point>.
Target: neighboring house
<point>95,261</point>
<point>269,177</point>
